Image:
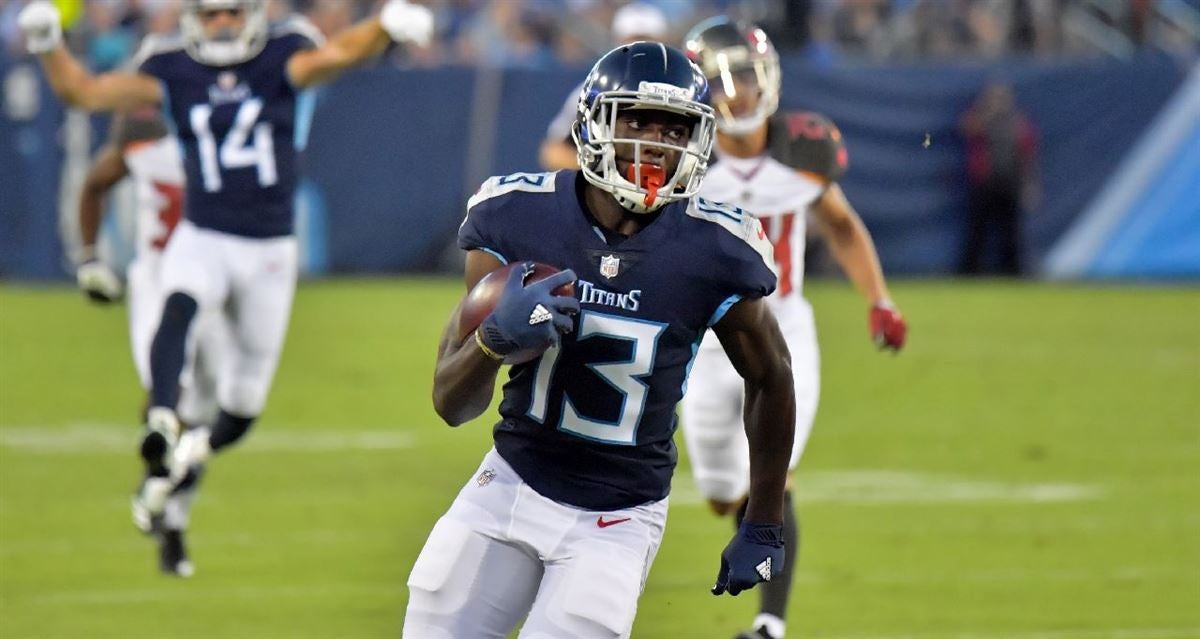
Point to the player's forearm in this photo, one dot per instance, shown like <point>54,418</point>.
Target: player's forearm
<point>78,87</point>
<point>463,382</point>
<point>67,76</point>
<point>855,251</point>
<point>91,207</point>
<point>108,169</point>
<point>770,417</point>
<point>344,51</point>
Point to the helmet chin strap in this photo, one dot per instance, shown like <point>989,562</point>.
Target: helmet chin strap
<point>742,126</point>
<point>653,177</point>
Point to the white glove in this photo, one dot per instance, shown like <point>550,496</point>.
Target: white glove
<point>406,22</point>
<point>98,281</point>
<point>42,26</point>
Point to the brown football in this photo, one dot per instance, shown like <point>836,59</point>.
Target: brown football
<point>482,300</point>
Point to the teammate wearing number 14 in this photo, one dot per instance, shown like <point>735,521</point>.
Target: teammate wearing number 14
<point>562,521</point>
<point>229,84</point>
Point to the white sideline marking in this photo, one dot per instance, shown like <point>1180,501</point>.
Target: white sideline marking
<point>196,592</point>
<point>884,487</point>
<point>122,439</point>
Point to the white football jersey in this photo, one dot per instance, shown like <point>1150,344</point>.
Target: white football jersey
<point>156,167</point>
<point>779,197</point>
<point>803,155</point>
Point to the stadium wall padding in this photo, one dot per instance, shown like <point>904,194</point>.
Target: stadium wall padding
<point>394,154</point>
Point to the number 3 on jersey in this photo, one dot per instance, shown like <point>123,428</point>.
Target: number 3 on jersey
<point>237,150</point>
<point>623,376</point>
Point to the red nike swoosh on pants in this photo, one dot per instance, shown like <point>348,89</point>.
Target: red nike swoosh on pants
<point>611,522</point>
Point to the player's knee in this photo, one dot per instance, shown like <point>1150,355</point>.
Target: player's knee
<point>244,396</point>
<point>724,490</point>
<point>179,308</point>
<point>228,430</point>
<point>605,603</point>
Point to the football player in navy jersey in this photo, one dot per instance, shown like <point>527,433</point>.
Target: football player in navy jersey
<point>784,169</point>
<point>229,85</point>
<point>562,520</point>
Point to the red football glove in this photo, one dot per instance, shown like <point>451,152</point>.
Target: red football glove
<point>887,327</point>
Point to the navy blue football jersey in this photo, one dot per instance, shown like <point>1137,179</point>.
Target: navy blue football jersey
<point>590,423</point>
<point>239,128</point>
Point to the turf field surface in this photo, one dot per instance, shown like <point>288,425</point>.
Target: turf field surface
<point>1026,469</point>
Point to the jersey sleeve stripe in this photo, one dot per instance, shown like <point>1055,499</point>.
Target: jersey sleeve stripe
<point>723,309</point>
<point>306,102</point>
<point>499,185</point>
<point>495,254</point>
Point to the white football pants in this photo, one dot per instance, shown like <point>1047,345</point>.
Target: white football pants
<point>207,348</point>
<point>252,282</point>
<point>713,430</point>
<point>503,552</point>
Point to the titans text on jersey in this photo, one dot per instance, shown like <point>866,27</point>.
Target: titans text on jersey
<point>590,423</point>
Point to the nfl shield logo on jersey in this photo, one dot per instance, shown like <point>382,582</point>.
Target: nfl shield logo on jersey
<point>610,265</point>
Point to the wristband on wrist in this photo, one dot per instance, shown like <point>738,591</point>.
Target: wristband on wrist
<point>487,351</point>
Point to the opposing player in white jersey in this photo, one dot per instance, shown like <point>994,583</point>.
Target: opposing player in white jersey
<point>230,84</point>
<point>782,168</point>
<point>140,149</point>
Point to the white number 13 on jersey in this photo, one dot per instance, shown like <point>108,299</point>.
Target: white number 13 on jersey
<point>237,150</point>
<point>623,376</point>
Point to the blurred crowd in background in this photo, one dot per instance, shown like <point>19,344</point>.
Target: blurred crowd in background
<point>545,33</point>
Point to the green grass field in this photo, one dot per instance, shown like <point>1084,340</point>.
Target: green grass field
<point>1029,468</point>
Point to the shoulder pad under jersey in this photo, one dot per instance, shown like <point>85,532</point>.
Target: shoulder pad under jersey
<point>808,142</point>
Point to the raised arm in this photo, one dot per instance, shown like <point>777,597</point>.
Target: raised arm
<point>41,24</point>
<point>399,21</point>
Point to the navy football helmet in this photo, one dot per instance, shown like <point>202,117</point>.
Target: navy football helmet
<point>733,55</point>
<point>224,49</point>
<point>643,75</point>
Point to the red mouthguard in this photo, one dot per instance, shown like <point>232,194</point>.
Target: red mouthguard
<point>653,177</point>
